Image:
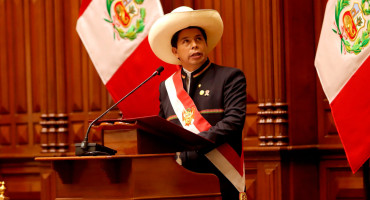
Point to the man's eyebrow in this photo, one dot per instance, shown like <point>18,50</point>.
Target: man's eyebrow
<point>186,37</point>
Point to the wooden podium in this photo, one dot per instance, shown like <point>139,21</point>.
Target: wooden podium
<point>149,173</point>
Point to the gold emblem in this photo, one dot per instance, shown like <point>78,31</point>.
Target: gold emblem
<point>201,92</point>
<point>188,116</point>
<point>242,196</point>
<point>122,14</point>
<point>352,25</point>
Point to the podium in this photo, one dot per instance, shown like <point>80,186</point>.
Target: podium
<point>150,172</point>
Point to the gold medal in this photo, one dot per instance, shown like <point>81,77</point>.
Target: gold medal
<point>201,92</point>
<point>242,196</point>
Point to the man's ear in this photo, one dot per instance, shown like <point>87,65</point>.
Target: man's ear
<point>174,51</point>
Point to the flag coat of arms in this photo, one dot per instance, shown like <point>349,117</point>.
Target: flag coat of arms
<point>343,66</point>
<point>115,35</point>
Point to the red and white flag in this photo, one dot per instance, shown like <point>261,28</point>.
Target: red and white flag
<point>343,65</point>
<point>115,35</point>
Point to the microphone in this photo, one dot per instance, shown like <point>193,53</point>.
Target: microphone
<point>92,149</point>
<point>159,70</point>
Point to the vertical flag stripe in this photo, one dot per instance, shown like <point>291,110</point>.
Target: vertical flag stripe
<point>351,112</point>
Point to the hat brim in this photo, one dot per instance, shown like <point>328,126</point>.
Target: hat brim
<point>164,28</point>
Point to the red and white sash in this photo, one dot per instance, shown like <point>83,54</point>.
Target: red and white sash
<point>223,157</point>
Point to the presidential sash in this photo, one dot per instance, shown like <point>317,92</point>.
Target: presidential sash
<point>224,157</point>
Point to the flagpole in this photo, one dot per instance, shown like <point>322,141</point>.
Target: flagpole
<point>366,179</point>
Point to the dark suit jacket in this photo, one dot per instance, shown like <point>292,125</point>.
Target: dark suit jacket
<point>219,94</point>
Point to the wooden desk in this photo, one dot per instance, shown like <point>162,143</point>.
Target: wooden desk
<point>147,176</point>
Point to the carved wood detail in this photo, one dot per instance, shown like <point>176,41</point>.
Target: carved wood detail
<point>54,133</point>
<point>272,124</point>
<point>44,133</point>
<point>62,132</point>
<point>22,134</point>
<point>251,182</point>
<point>5,138</point>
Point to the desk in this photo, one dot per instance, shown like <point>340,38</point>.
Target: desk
<point>146,176</point>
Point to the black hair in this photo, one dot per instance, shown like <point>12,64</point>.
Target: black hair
<point>175,36</point>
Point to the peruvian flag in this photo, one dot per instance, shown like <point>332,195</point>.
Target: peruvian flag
<point>343,65</point>
<point>115,35</point>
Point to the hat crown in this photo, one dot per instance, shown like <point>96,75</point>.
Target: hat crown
<point>182,9</point>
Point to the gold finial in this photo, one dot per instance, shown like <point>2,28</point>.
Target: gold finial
<point>2,191</point>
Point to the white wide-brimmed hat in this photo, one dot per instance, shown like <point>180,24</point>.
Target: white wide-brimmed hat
<point>165,27</point>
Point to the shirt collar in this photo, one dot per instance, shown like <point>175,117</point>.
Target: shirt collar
<point>198,71</point>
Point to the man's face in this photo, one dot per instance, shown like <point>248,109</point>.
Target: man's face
<point>191,49</point>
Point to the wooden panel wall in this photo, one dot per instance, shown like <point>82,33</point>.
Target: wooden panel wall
<point>49,90</point>
<point>19,126</point>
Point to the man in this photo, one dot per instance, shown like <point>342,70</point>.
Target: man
<point>202,97</point>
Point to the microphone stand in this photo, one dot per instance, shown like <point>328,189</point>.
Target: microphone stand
<point>83,148</point>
